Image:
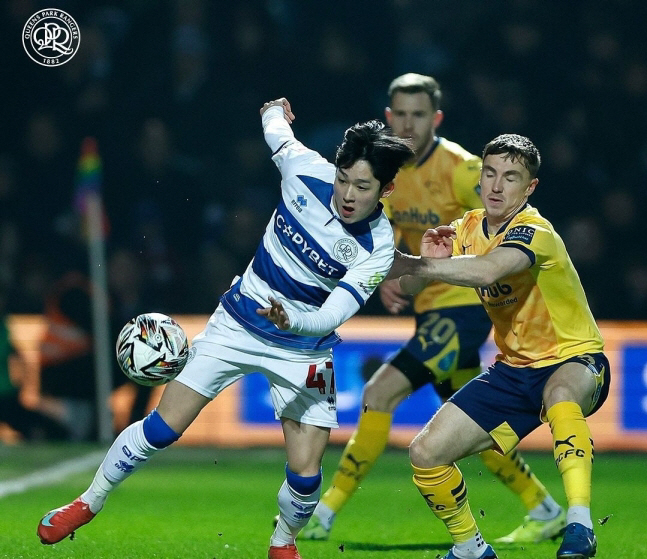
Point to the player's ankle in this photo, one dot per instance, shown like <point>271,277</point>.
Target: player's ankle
<point>546,510</point>
<point>325,515</point>
<point>470,549</point>
<point>580,515</point>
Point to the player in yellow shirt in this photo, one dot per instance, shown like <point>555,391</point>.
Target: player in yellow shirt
<point>551,366</point>
<point>451,324</point>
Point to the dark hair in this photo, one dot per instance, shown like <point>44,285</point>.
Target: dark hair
<point>518,148</point>
<point>374,143</point>
<point>417,83</point>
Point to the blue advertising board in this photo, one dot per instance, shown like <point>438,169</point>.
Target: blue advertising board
<point>634,389</point>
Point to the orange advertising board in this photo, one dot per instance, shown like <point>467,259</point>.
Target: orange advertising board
<point>621,424</point>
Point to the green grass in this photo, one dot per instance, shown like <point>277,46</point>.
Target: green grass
<point>183,504</point>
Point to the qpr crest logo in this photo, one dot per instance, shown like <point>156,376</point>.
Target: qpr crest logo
<point>345,250</point>
<point>51,37</point>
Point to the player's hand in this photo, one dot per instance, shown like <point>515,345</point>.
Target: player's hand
<point>276,314</point>
<point>282,102</point>
<point>438,242</point>
<point>392,297</point>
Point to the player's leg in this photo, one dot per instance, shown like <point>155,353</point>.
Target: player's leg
<point>545,518</point>
<point>384,391</point>
<point>131,449</point>
<point>576,389</point>
<point>450,435</point>
<point>430,355</point>
<point>307,411</point>
<point>202,379</point>
<point>300,491</point>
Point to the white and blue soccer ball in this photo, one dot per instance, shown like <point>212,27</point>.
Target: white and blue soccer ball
<point>152,349</point>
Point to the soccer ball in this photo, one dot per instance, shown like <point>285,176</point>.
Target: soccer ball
<point>152,349</point>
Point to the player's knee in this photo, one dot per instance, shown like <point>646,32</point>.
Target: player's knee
<point>157,431</point>
<point>561,393</point>
<point>423,452</point>
<point>381,396</point>
<point>374,398</point>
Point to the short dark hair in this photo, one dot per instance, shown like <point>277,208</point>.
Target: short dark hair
<point>417,83</point>
<point>518,148</point>
<point>374,143</point>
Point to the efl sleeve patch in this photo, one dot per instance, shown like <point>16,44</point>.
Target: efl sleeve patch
<point>521,233</point>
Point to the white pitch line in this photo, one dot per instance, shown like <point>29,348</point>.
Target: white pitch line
<point>52,474</point>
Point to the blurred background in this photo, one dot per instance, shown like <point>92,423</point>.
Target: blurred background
<point>171,92</point>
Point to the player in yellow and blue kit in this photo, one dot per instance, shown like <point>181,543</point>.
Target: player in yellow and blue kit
<point>451,325</point>
<point>551,365</point>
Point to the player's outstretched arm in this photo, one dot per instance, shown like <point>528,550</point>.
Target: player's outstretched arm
<point>469,271</point>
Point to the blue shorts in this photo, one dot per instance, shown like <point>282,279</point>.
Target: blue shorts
<point>444,350</point>
<point>507,402</point>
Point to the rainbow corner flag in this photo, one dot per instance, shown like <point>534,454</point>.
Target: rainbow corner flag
<point>88,183</point>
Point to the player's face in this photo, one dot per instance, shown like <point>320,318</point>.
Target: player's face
<point>412,116</point>
<point>505,186</point>
<point>357,192</point>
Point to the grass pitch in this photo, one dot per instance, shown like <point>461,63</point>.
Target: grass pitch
<point>210,503</point>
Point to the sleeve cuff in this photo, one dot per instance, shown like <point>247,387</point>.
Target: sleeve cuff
<point>529,253</point>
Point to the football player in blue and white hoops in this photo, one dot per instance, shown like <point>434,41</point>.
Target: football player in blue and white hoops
<point>324,252</point>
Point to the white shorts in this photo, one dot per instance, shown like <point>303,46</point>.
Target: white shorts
<point>302,382</point>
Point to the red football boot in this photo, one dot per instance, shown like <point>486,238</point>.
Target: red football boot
<point>60,523</point>
<point>283,552</point>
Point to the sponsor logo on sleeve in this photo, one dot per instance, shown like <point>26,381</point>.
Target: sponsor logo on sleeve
<point>521,233</point>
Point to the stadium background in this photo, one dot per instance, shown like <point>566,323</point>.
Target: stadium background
<point>171,91</point>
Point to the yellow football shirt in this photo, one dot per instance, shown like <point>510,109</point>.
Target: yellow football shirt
<point>436,191</point>
<point>540,315</point>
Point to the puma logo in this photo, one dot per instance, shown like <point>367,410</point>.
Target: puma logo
<point>357,463</point>
<point>566,441</point>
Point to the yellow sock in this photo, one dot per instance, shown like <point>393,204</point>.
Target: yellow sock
<point>516,475</point>
<point>445,491</point>
<point>361,452</point>
<point>573,451</point>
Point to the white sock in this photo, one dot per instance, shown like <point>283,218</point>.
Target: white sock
<point>581,515</point>
<point>325,515</point>
<point>97,493</point>
<point>471,549</point>
<point>294,512</point>
<point>129,451</point>
<point>546,510</point>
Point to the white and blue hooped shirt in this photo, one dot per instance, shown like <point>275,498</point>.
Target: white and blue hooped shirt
<point>307,250</point>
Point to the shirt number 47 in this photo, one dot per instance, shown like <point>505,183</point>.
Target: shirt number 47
<point>316,378</point>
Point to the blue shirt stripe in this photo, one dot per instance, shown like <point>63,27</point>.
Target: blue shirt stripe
<point>243,310</point>
<point>322,190</point>
<point>352,291</point>
<point>279,280</point>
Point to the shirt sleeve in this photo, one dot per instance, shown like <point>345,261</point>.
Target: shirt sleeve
<point>288,153</point>
<point>363,277</point>
<point>535,240</point>
<point>466,183</point>
<point>337,309</point>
